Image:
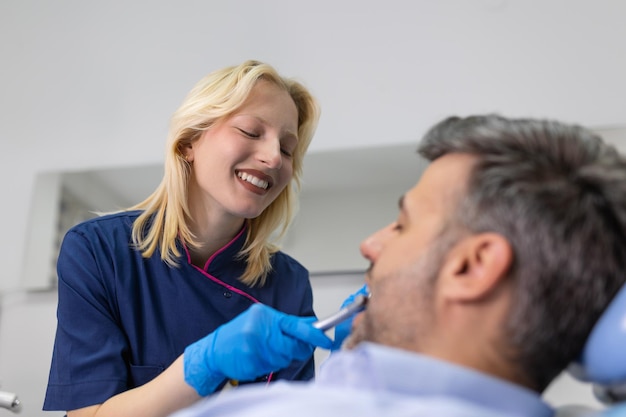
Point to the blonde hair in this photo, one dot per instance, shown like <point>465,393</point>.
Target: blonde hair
<point>166,213</point>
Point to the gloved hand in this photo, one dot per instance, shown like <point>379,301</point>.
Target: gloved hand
<point>258,341</point>
<point>343,329</point>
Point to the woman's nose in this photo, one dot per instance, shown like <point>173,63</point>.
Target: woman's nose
<point>270,154</point>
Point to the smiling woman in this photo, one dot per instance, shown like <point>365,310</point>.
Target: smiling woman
<point>243,162</point>
<point>200,250</point>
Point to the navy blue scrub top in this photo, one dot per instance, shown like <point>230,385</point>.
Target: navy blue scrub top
<point>123,319</point>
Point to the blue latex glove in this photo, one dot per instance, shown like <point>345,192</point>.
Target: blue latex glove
<point>258,341</point>
<point>343,329</point>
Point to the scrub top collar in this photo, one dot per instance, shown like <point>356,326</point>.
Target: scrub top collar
<point>223,256</point>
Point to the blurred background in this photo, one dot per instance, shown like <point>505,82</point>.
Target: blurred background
<point>87,89</point>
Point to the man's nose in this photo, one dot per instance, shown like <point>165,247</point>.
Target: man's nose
<point>372,245</point>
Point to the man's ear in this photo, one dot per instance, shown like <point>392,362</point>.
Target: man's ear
<point>475,266</point>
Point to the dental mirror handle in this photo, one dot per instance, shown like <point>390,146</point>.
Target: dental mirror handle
<point>359,303</point>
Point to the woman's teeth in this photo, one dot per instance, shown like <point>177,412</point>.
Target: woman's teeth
<point>253,180</point>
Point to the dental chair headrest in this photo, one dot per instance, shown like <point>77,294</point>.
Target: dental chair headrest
<point>603,360</point>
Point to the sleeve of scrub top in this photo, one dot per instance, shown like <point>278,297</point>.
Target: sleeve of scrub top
<point>87,366</point>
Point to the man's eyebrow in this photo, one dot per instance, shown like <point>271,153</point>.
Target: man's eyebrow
<point>401,203</point>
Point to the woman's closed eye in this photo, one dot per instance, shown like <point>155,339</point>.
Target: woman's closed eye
<point>286,152</point>
<point>248,133</point>
<point>286,149</point>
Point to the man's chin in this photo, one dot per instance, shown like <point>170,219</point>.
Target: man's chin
<point>357,333</point>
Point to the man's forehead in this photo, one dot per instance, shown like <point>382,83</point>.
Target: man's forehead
<point>450,170</point>
<point>443,181</point>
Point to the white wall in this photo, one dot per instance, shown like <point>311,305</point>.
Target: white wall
<point>92,84</point>
<point>27,324</point>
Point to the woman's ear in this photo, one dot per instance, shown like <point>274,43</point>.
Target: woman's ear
<point>186,151</point>
<point>475,266</point>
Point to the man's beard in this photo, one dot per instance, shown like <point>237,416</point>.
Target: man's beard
<point>423,276</point>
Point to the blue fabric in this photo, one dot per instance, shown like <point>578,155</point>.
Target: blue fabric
<point>123,319</point>
<point>373,380</point>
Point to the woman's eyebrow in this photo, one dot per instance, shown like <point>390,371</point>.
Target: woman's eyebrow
<point>289,135</point>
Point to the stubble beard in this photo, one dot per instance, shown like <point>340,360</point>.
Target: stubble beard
<point>415,314</point>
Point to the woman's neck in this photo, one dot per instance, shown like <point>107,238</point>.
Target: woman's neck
<point>211,234</point>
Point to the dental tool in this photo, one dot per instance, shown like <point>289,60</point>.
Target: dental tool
<point>359,303</point>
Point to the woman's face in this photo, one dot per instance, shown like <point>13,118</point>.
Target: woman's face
<point>243,162</point>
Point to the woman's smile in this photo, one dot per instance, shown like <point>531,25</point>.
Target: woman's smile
<point>255,181</point>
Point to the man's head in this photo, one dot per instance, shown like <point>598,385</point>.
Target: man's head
<point>507,250</point>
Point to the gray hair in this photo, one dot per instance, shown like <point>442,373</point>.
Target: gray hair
<point>557,193</point>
